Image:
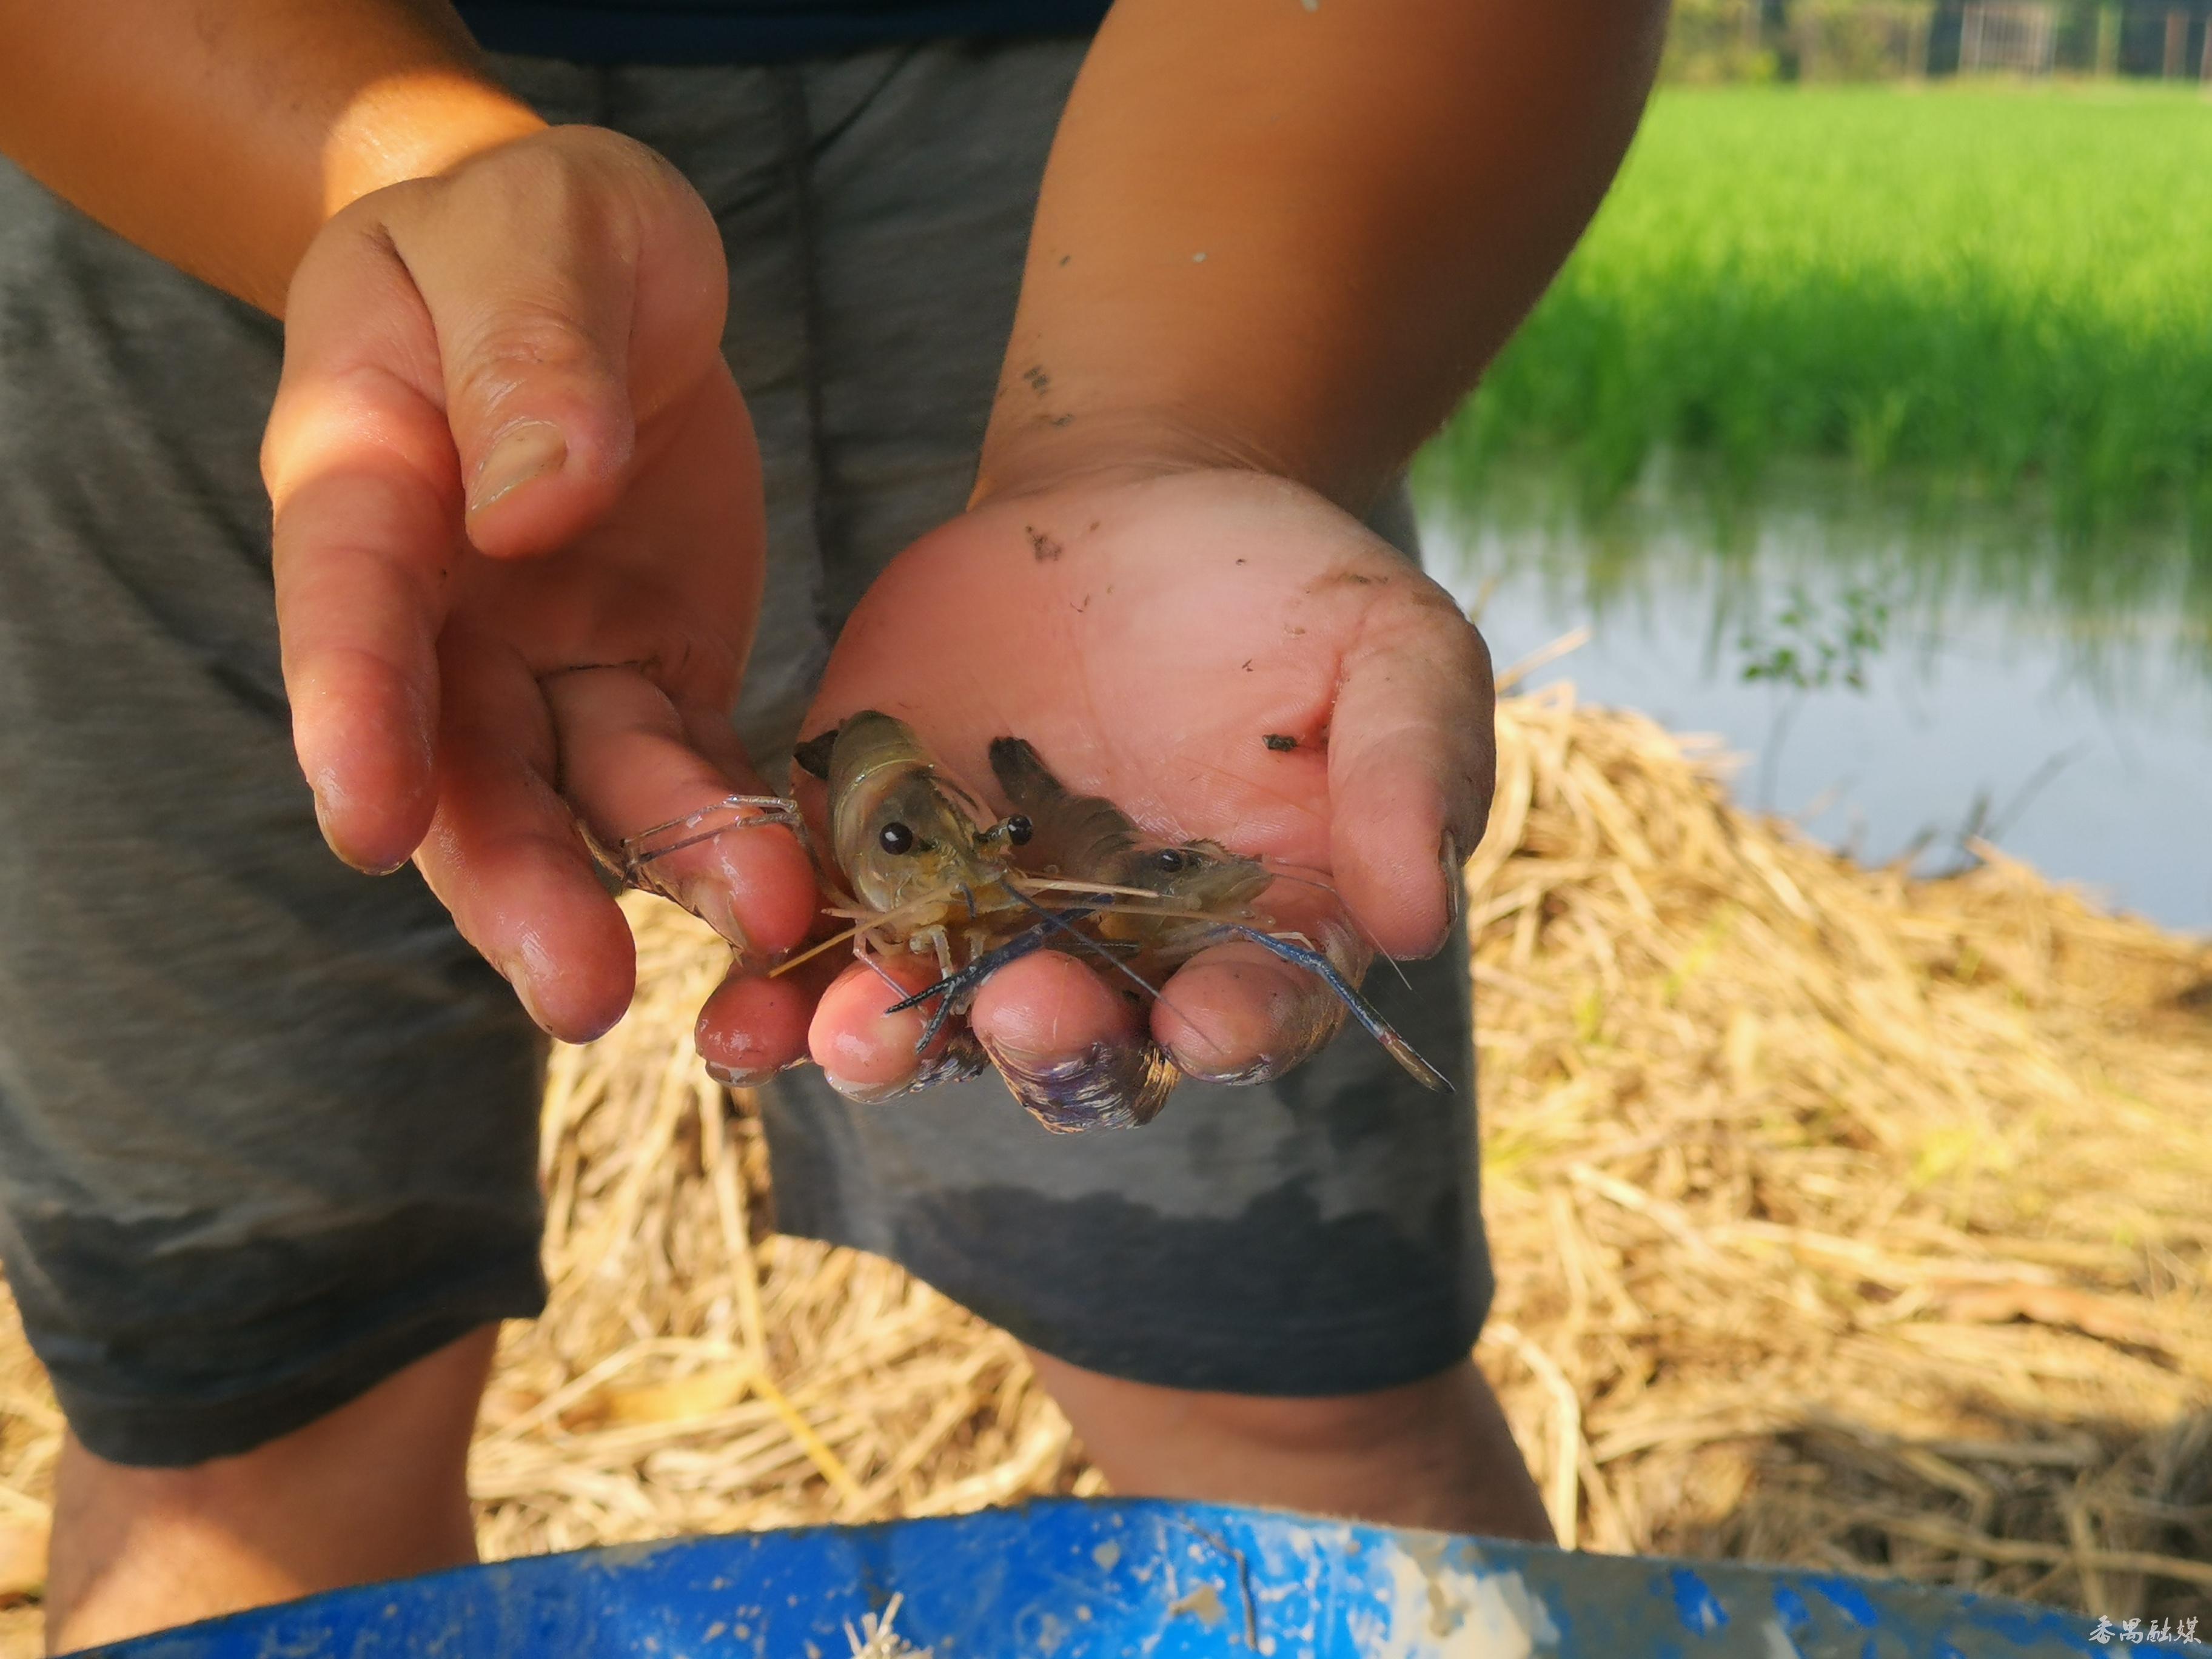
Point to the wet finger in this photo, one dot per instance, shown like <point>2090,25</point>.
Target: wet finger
<point>867,1053</point>
<point>359,617</point>
<point>1412,761</point>
<point>1236,1013</point>
<point>367,509</point>
<point>503,854</point>
<point>628,764</point>
<point>752,1027</point>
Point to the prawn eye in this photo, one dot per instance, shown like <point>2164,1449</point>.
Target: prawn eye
<point>1170,859</point>
<point>895,838</point>
<point>1019,829</point>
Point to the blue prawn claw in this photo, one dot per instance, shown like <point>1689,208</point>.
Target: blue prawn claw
<point>1305,957</point>
<point>956,988</point>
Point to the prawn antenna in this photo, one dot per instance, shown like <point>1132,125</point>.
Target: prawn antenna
<point>1060,920</point>
<point>1281,872</point>
<point>1306,957</point>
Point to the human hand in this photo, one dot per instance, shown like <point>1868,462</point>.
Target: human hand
<point>519,541</point>
<point>1148,635</point>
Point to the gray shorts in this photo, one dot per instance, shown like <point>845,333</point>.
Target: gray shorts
<point>267,1127</point>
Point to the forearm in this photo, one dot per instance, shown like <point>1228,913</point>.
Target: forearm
<point>1289,236</point>
<point>220,134</point>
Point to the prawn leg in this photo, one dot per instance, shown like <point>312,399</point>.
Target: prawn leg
<point>1304,955</point>
<point>955,985</point>
<point>731,812</point>
<point>938,940</point>
<point>954,989</point>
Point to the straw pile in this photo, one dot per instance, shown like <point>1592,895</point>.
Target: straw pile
<point>1842,1219</point>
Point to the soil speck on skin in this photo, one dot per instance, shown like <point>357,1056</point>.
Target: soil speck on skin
<point>1248,665</point>
<point>1065,257</point>
<point>1042,545</point>
<point>1039,381</point>
<point>1281,742</point>
<point>1240,561</point>
<point>1061,420</point>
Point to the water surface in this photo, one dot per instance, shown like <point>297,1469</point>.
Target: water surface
<point>1929,676</point>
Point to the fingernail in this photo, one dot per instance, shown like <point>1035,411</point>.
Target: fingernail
<point>321,793</point>
<point>1303,1031</point>
<point>527,969</point>
<point>732,1076</point>
<point>526,450</point>
<point>961,1060</point>
<point>1455,880</point>
<point>518,979</point>
<point>1107,1086</point>
<point>708,898</point>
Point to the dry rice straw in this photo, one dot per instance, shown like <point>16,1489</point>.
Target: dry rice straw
<point>1842,1219</point>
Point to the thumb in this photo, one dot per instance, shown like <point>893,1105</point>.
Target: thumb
<point>1411,762</point>
<point>542,268</point>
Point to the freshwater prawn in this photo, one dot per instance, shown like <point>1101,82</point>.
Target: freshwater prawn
<point>913,863</point>
<point>916,866</point>
<point>930,872</point>
<point>1148,905</point>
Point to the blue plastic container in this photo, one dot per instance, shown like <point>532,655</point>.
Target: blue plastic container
<point>1071,1580</point>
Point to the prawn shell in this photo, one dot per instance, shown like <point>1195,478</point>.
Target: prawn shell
<point>880,774</point>
<point>1070,835</point>
<point>1088,838</point>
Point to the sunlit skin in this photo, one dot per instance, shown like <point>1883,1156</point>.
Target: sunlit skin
<point>518,546</point>
<point>1289,619</point>
<point>518,524</point>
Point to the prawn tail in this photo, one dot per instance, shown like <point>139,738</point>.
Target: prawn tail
<point>1306,957</point>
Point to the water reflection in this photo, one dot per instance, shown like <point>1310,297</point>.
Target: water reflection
<point>1923,671</point>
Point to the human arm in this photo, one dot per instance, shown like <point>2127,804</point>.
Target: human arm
<point>1288,239</point>
<point>222,134</point>
<point>518,528</point>
<point>1379,191</point>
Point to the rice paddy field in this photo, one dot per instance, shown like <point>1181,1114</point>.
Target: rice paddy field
<point>1991,293</point>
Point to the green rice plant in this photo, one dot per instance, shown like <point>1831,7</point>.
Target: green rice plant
<point>2005,291</point>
